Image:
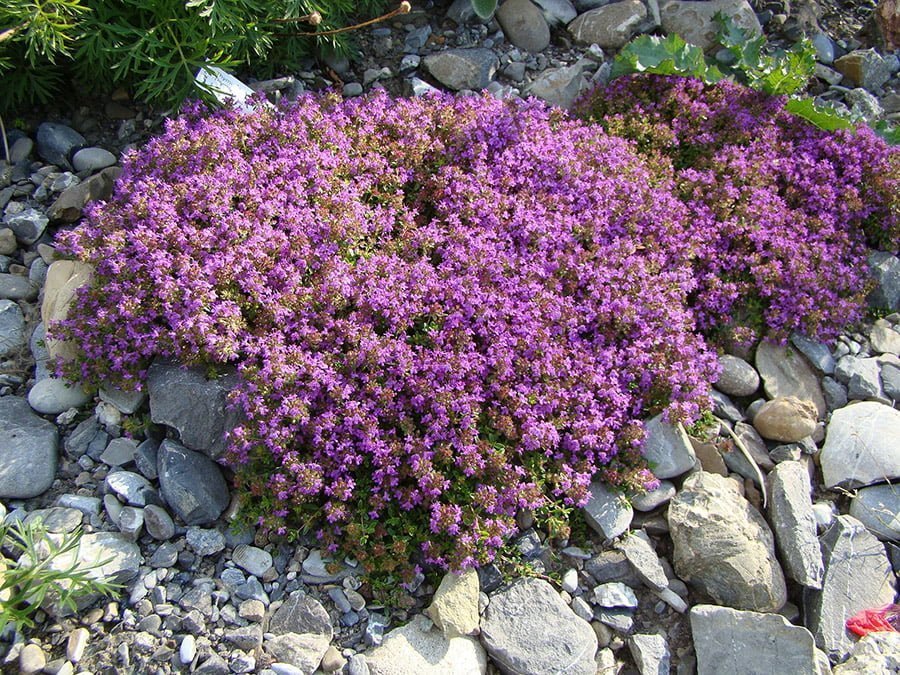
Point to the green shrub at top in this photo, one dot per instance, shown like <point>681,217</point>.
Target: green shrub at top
<point>157,46</point>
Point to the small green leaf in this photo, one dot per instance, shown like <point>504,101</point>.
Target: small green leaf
<point>484,8</point>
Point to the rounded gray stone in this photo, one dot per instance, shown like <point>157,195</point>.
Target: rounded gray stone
<point>737,377</point>
<point>92,159</point>
<point>52,396</point>
<point>28,450</point>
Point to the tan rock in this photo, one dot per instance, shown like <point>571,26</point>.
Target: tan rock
<point>455,606</point>
<point>64,277</point>
<point>787,419</point>
<point>694,21</point>
<point>887,19</point>
<point>611,26</point>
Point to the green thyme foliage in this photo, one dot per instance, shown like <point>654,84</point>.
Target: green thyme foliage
<point>36,566</point>
<point>157,46</point>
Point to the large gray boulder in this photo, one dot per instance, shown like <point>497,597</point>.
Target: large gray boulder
<point>56,143</point>
<point>191,484</point>
<point>694,21</point>
<point>528,629</point>
<point>723,545</point>
<point>861,445</point>
<point>729,641</point>
<point>857,576</point>
<point>610,26</point>
<point>28,450</point>
<point>791,515</point>
<point>184,399</point>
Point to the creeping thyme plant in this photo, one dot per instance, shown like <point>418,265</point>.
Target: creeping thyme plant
<point>445,310</point>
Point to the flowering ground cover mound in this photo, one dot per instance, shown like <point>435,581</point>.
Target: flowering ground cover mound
<point>445,310</point>
<point>782,211</point>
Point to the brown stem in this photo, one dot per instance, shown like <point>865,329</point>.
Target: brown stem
<point>9,32</point>
<point>404,8</point>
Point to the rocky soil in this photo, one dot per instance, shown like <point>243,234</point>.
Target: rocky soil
<point>774,522</point>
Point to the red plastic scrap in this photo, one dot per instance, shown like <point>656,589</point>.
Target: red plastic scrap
<point>876,620</point>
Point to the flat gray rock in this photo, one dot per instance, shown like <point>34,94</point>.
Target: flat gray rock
<point>304,652</point>
<point>650,653</point>
<point>668,449</point>
<point>421,648</point>
<point>187,401</point>
<point>28,450</point>
<point>302,613</point>
<point>527,629</point>
<point>647,501</point>
<point>558,86</point>
<point>130,487</point>
<point>191,484</point>
<point>126,402</point>
<point>857,576</point>
<point>459,69</point>
<point>728,640</point>
<point>862,376</point>
<point>861,445</point>
<point>254,560</point>
<point>875,654</point>
<point>14,287</point>
<point>878,508</point>
<point>723,545</point>
<point>12,328</point>
<point>644,560</point>
<point>28,225</point>
<point>608,512</point>
<point>818,354</point>
<point>791,515</point>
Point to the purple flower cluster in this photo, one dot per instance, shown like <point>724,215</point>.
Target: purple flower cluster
<point>442,311</point>
<point>781,211</point>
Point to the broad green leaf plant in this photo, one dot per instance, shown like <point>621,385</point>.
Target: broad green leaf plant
<point>754,63</point>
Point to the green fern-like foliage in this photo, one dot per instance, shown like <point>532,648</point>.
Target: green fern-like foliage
<point>157,47</point>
